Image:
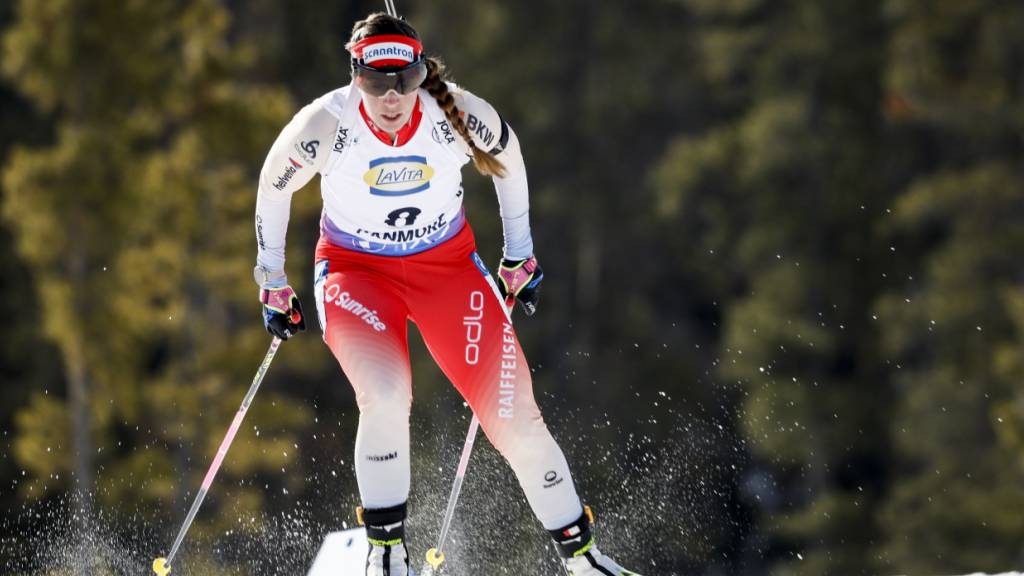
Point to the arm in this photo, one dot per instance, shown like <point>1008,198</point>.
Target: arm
<point>490,132</point>
<point>519,275</point>
<point>299,152</point>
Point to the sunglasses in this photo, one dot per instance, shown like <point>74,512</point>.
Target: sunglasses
<point>378,82</point>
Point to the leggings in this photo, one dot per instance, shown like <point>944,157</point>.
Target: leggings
<point>364,303</point>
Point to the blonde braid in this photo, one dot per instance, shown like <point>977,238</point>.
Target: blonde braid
<point>434,83</point>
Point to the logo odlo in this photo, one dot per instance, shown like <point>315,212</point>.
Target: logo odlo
<point>474,328</point>
<point>285,178</point>
<point>551,478</point>
<point>398,176</point>
<point>341,140</point>
<point>443,129</point>
<point>307,150</point>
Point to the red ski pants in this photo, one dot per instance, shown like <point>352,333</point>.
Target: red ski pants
<point>364,302</point>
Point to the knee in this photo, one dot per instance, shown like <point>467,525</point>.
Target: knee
<point>390,399</point>
<point>519,439</point>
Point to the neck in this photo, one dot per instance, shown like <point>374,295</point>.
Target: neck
<point>397,137</point>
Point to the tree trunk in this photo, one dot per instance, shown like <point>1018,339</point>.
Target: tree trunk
<point>81,424</point>
<point>79,405</point>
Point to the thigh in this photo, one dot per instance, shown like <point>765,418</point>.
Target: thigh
<point>364,322</point>
<point>468,331</point>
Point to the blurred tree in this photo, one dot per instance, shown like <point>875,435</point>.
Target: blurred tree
<point>26,357</point>
<point>773,200</point>
<point>136,223</point>
<point>952,319</point>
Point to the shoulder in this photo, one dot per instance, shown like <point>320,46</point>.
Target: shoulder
<point>336,101</point>
<point>489,130</point>
<point>320,115</point>
<point>309,132</point>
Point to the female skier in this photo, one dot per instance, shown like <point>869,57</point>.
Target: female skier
<point>394,246</point>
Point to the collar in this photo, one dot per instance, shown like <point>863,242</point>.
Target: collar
<point>404,133</point>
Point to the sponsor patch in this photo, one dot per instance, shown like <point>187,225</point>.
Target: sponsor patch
<point>307,150</point>
<point>398,175</point>
<point>286,177</point>
<point>442,129</point>
<point>341,140</point>
<point>551,479</point>
<point>388,51</point>
<point>476,126</point>
<point>474,326</point>
<point>345,301</point>
<point>382,457</point>
<point>507,375</point>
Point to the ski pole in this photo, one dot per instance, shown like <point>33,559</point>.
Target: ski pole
<point>162,566</point>
<point>435,556</point>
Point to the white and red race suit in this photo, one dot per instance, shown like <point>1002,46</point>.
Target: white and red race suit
<point>395,246</point>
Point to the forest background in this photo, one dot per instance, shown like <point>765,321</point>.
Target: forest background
<point>781,329</point>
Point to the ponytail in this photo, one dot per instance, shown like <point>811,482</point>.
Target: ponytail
<point>434,83</point>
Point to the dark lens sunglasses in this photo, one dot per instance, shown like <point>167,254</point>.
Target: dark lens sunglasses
<point>377,82</point>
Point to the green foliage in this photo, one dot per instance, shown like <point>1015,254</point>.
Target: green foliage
<point>136,222</point>
<point>952,333</point>
<point>834,305</point>
<point>775,189</point>
<point>956,318</point>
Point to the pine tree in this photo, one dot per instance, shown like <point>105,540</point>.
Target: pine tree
<point>953,316</point>
<point>774,198</point>
<point>136,222</point>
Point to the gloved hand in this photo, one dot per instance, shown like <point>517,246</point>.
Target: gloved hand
<point>282,313</point>
<point>521,279</point>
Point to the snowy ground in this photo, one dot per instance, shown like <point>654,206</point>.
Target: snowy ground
<point>670,481</point>
<point>676,484</point>
<point>344,553</point>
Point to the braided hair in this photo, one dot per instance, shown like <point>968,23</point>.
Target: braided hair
<point>381,23</point>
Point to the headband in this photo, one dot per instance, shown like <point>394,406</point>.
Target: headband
<point>387,50</point>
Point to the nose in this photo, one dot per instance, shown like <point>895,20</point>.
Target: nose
<point>391,98</point>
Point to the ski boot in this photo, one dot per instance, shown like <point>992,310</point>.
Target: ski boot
<point>385,531</point>
<point>580,557</point>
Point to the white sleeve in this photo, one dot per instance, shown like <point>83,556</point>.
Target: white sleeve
<point>299,152</point>
<point>491,133</point>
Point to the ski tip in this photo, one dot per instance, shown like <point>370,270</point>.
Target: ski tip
<point>160,567</point>
<point>434,558</point>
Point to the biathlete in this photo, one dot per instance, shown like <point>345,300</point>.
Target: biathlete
<point>395,246</point>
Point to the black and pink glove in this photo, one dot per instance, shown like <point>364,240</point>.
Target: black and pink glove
<point>282,313</point>
<point>521,279</point>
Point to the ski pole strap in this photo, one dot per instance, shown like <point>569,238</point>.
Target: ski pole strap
<point>574,539</point>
